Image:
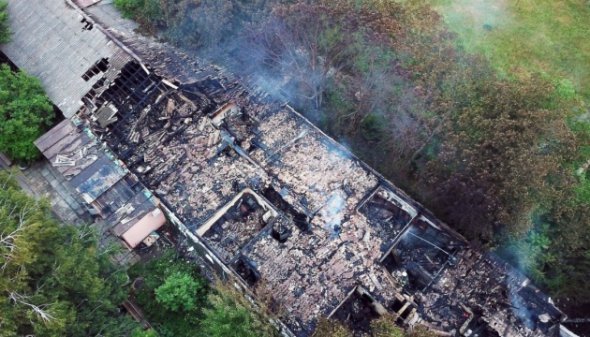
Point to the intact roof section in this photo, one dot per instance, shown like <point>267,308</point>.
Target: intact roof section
<point>150,222</point>
<point>69,150</point>
<point>54,135</point>
<point>55,42</point>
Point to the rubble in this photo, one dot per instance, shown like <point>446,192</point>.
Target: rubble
<point>108,189</point>
<point>269,200</point>
<point>300,220</point>
<point>289,212</point>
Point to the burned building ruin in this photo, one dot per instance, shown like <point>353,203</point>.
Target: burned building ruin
<point>281,208</point>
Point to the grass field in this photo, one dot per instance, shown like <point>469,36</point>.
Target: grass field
<point>550,37</point>
<point>521,37</point>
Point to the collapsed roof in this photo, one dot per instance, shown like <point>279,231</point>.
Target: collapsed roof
<point>299,221</point>
<point>106,186</point>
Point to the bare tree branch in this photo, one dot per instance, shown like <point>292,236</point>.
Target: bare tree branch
<point>38,309</point>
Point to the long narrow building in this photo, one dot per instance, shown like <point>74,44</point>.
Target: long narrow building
<point>271,202</point>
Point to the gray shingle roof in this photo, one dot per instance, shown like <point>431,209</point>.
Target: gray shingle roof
<point>49,42</point>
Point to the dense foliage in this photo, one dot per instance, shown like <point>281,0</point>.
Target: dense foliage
<point>178,302</point>
<point>53,279</point>
<point>4,28</point>
<point>144,333</point>
<point>383,326</point>
<point>330,328</point>
<point>500,158</point>
<point>25,112</point>
<point>178,292</point>
<point>154,275</point>
<point>229,313</point>
<point>144,11</point>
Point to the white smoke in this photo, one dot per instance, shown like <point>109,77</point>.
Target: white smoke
<point>478,16</point>
<point>332,213</point>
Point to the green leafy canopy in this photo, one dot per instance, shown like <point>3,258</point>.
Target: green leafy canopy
<point>178,292</point>
<point>25,112</point>
<point>53,279</point>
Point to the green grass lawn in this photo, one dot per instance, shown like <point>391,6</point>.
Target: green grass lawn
<point>520,37</point>
<point>523,36</point>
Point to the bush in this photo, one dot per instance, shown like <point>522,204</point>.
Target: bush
<point>25,112</point>
<point>331,328</point>
<point>178,302</point>
<point>155,273</point>
<point>144,333</point>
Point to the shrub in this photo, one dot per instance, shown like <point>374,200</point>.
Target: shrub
<point>331,328</point>
<point>373,127</point>
<point>144,333</point>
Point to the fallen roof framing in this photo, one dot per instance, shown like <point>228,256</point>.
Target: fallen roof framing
<point>199,153</point>
<point>335,225</point>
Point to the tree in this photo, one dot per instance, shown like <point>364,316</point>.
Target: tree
<point>179,292</point>
<point>498,158</point>
<point>4,27</point>
<point>53,279</point>
<point>25,111</point>
<point>154,274</point>
<point>230,314</point>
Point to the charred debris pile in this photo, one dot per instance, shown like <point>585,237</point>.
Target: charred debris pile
<point>299,221</point>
